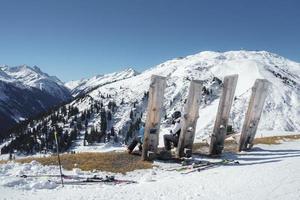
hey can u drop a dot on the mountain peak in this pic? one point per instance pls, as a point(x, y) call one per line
point(131, 70)
point(34, 77)
point(38, 70)
point(3, 67)
point(3, 75)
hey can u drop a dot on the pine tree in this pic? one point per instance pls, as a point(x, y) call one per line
point(109, 116)
point(112, 131)
point(131, 115)
point(103, 121)
point(83, 116)
point(85, 138)
point(86, 123)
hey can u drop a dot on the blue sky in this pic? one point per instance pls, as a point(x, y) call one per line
point(73, 39)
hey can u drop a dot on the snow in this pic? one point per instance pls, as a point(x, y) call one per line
point(266, 172)
point(15, 170)
point(100, 147)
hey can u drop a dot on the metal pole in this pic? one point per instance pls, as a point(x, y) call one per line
point(59, 163)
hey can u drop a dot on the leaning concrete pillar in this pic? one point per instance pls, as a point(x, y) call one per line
point(152, 125)
point(220, 127)
point(189, 120)
point(256, 104)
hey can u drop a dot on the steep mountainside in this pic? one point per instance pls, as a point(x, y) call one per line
point(25, 92)
point(116, 108)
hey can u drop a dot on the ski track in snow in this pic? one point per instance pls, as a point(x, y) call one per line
point(266, 172)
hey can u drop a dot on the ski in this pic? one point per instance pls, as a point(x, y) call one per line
point(108, 180)
point(52, 176)
point(187, 166)
point(209, 165)
point(81, 179)
point(192, 164)
point(199, 169)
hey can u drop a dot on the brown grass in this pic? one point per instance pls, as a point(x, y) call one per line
point(232, 145)
point(203, 148)
point(117, 162)
point(276, 139)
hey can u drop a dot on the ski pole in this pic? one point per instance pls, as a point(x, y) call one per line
point(59, 163)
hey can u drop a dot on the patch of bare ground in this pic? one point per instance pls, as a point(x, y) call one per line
point(116, 162)
point(276, 139)
point(232, 145)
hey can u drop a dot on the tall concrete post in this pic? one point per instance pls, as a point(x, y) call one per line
point(220, 127)
point(189, 120)
point(154, 110)
point(254, 111)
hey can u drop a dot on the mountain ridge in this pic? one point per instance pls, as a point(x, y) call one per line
point(88, 84)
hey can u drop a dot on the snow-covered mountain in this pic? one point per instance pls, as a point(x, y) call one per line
point(34, 77)
point(26, 91)
point(282, 108)
point(124, 95)
point(84, 85)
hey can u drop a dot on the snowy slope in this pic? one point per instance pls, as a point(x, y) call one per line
point(282, 108)
point(267, 172)
point(85, 85)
